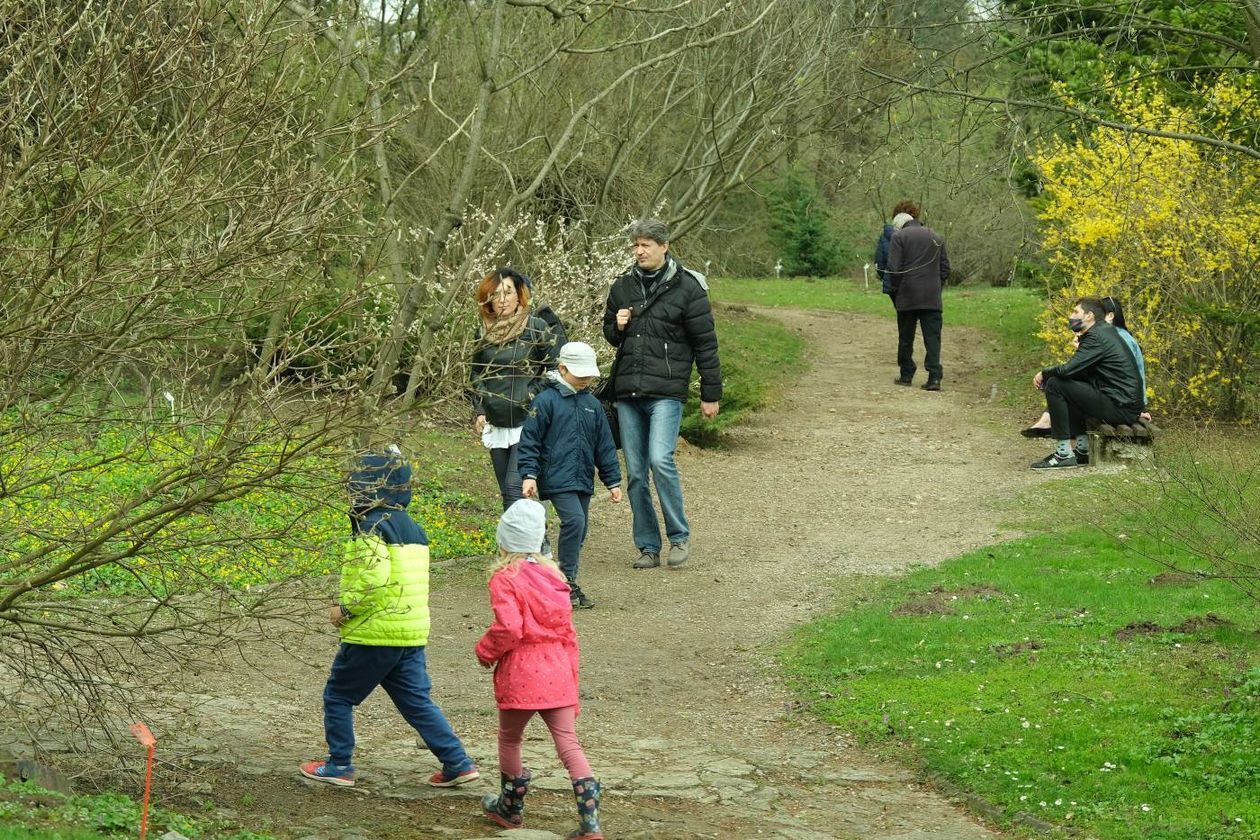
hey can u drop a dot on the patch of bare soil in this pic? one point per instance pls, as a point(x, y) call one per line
point(1026, 646)
point(1173, 579)
point(1137, 628)
point(1194, 624)
point(940, 601)
point(685, 715)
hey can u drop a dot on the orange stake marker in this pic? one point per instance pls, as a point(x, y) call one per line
point(145, 737)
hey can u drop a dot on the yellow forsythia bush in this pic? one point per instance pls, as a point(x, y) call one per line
point(1171, 228)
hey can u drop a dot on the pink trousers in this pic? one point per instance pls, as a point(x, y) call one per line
point(562, 724)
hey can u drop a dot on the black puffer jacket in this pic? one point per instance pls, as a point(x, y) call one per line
point(671, 328)
point(507, 377)
point(1104, 360)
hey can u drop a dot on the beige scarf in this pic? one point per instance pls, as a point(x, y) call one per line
point(503, 330)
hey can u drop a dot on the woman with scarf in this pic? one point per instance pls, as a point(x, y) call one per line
point(515, 349)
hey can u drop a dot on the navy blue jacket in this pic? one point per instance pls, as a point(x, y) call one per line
point(564, 440)
point(881, 259)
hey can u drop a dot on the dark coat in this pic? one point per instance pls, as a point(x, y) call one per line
point(507, 377)
point(1104, 360)
point(564, 440)
point(918, 266)
point(881, 259)
point(671, 328)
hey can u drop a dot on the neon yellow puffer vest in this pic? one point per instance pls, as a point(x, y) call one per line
point(386, 590)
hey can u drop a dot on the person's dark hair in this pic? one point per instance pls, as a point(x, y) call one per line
point(1094, 305)
point(653, 229)
point(1112, 306)
point(907, 207)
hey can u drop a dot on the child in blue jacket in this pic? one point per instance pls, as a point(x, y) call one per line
point(564, 441)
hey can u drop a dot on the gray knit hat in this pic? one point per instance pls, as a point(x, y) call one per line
point(522, 526)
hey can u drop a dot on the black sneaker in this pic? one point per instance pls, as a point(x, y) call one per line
point(1082, 458)
point(1055, 461)
point(578, 599)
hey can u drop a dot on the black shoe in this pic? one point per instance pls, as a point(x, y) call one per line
point(900, 381)
point(932, 385)
point(1082, 458)
point(1035, 432)
point(577, 598)
point(1055, 461)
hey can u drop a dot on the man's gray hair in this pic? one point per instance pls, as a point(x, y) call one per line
point(653, 229)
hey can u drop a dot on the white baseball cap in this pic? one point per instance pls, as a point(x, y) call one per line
point(579, 358)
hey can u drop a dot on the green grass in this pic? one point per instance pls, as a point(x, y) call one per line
point(28, 812)
point(1060, 676)
point(18, 833)
point(754, 351)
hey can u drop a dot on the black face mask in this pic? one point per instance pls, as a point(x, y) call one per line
point(1076, 324)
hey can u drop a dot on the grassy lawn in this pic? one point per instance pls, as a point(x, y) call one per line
point(753, 350)
point(1068, 676)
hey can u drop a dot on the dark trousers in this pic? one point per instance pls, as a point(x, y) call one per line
point(1071, 402)
point(573, 510)
point(356, 671)
point(508, 476)
point(930, 320)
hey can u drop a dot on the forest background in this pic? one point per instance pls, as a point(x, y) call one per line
point(240, 238)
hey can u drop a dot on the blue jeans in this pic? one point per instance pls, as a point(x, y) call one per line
point(356, 671)
point(649, 435)
point(574, 512)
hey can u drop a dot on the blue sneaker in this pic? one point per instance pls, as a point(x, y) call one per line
point(334, 774)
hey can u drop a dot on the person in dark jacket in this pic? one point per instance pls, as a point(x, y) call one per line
point(564, 441)
point(885, 240)
point(659, 318)
point(918, 266)
point(1101, 380)
point(514, 352)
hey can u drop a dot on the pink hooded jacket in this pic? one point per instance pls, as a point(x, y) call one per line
point(532, 639)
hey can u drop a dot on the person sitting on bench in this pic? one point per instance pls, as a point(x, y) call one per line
point(1101, 380)
point(1115, 317)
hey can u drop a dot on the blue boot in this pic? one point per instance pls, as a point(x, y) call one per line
point(507, 809)
point(586, 792)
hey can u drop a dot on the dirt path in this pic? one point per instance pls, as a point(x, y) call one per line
point(683, 716)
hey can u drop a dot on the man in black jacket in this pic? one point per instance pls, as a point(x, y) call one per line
point(1100, 380)
point(659, 319)
point(918, 267)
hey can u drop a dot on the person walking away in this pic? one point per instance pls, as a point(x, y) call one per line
point(563, 443)
point(885, 240)
point(659, 318)
point(382, 616)
point(919, 267)
point(533, 648)
point(1100, 380)
point(508, 369)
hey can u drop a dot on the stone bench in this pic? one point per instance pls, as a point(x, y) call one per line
point(1110, 444)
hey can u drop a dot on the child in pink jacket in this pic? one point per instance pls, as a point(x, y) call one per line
point(534, 651)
